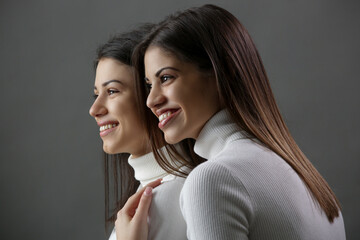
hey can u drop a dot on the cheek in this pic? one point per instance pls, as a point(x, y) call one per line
point(124, 107)
point(182, 95)
point(119, 109)
point(209, 93)
point(202, 100)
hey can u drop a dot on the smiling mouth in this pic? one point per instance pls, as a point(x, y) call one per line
point(107, 126)
point(165, 117)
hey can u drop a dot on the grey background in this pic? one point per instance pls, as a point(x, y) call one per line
point(51, 183)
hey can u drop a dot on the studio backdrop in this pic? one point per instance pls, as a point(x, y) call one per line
point(51, 174)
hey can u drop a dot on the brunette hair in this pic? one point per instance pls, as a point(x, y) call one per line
point(214, 40)
point(120, 182)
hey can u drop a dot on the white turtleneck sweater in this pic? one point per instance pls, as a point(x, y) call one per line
point(165, 219)
point(246, 191)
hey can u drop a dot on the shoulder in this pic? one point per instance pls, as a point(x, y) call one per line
point(212, 182)
point(245, 151)
point(250, 162)
point(244, 170)
point(209, 173)
point(233, 166)
point(213, 202)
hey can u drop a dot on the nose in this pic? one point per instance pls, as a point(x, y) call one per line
point(156, 97)
point(98, 108)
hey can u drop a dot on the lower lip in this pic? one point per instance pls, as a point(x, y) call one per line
point(162, 123)
point(107, 131)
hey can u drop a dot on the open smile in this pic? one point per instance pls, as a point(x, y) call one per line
point(107, 128)
point(166, 116)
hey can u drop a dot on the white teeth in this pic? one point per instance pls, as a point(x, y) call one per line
point(164, 116)
point(108, 126)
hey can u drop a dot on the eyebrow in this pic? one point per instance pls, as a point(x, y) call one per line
point(110, 81)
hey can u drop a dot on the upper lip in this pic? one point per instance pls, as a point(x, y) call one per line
point(161, 111)
point(102, 123)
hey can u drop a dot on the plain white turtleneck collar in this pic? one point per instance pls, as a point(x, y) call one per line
point(147, 169)
point(216, 133)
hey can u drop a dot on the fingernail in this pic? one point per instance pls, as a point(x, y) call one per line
point(148, 191)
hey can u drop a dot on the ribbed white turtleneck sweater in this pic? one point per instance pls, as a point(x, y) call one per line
point(246, 191)
point(165, 219)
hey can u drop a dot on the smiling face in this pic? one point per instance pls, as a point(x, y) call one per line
point(115, 109)
point(181, 96)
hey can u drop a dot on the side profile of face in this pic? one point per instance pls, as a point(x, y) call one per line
point(115, 109)
point(181, 96)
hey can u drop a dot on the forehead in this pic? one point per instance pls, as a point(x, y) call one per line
point(156, 57)
point(111, 69)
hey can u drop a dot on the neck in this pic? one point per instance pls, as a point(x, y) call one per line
point(146, 168)
point(216, 133)
point(146, 148)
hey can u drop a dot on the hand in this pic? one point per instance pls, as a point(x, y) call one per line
point(131, 222)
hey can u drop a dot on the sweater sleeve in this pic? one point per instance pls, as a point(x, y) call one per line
point(215, 205)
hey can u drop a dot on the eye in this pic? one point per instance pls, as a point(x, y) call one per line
point(112, 91)
point(165, 78)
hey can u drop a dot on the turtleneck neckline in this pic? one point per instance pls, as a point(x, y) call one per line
point(216, 133)
point(147, 169)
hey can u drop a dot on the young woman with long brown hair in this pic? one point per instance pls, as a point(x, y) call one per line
point(122, 130)
point(207, 82)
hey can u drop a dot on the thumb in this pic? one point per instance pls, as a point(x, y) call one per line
point(143, 209)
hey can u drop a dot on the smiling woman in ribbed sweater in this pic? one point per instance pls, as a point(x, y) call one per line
point(206, 81)
point(122, 132)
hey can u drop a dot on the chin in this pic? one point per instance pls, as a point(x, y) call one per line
point(109, 150)
point(171, 139)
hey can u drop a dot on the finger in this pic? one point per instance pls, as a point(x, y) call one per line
point(133, 202)
point(144, 205)
point(153, 184)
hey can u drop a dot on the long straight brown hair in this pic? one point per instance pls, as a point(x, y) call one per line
point(119, 177)
point(120, 182)
point(214, 40)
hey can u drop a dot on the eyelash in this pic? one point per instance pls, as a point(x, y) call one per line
point(110, 92)
point(162, 78)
